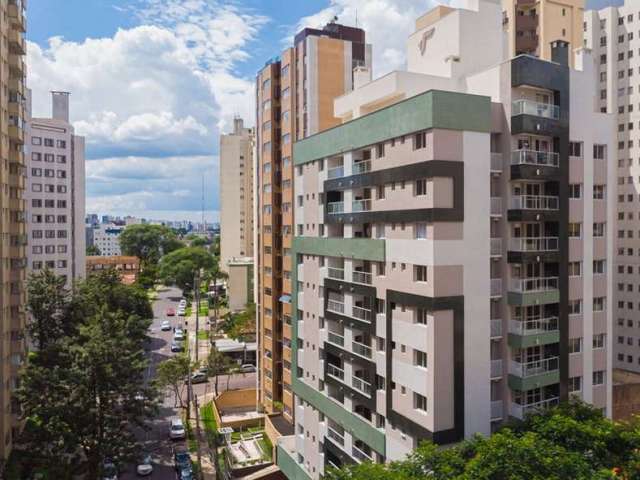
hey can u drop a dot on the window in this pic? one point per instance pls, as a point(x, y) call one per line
point(575, 269)
point(575, 190)
point(286, 92)
point(421, 316)
point(36, 172)
point(286, 139)
point(61, 174)
point(48, 142)
point(61, 188)
point(61, 143)
point(419, 273)
point(49, 157)
point(575, 345)
point(575, 384)
point(380, 191)
point(421, 230)
point(380, 150)
point(598, 229)
point(598, 377)
point(420, 140)
point(599, 340)
point(419, 402)
point(62, 158)
point(575, 230)
point(575, 149)
point(575, 307)
point(599, 304)
point(599, 152)
point(36, 140)
point(598, 192)
point(599, 267)
point(420, 358)
point(420, 187)
point(36, 157)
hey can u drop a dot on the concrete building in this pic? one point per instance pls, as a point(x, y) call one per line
point(613, 34)
point(12, 222)
point(453, 248)
point(294, 98)
point(240, 283)
point(128, 267)
point(533, 24)
point(107, 238)
point(56, 193)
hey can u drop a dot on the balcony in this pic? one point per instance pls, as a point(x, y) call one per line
point(361, 385)
point(496, 206)
point(335, 172)
point(360, 313)
point(335, 372)
point(496, 287)
point(17, 15)
point(360, 456)
point(335, 306)
point(496, 162)
point(534, 244)
point(535, 158)
point(538, 284)
point(496, 247)
point(537, 109)
point(336, 339)
point(534, 374)
point(17, 43)
point(361, 205)
point(496, 410)
point(335, 436)
point(496, 328)
point(532, 332)
point(365, 278)
point(520, 411)
point(496, 369)
point(534, 202)
point(361, 349)
point(361, 167)
point(335, 208)
point(335, 273)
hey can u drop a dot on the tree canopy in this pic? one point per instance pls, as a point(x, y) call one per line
point(179, 267)
point(93, 250)
point(148, 242)
point(573, 441)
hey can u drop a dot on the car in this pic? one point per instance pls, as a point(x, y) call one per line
point(183, 303)
point(186, 474)
point(109, 470)
point(177, 347)
point(178, 336)
point(199, 377)
point(247, 368)
point(182, 312)
point(171, 312)
point(165, 326)
point(176, 430)
point(144, 467)
point(181, 459)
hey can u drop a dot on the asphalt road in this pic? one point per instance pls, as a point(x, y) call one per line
point(156, 441)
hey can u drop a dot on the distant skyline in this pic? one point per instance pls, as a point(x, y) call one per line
point(154, 82)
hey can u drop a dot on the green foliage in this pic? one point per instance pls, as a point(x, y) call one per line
point(180, 266)
point(93, 250)
point(171, 373)
point(210, 424)
point(148, 242)
point(48, 303)
point(82, 393)
point(573, 441)
point(198, 242)
point(219, 364)
point(237, 324)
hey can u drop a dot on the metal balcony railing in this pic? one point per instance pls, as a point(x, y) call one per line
point(360, 313)
point(534, 244)
point(496, 205)
point(335, 436)
point(361, 205)
point(496, 368)
point(539, 284)
point(335, 306)
point(534, 157)
point(335, 207)
point(496, 162)
point(361, 167)
point(361, 349)
point(496, 246)
point(362, 277)
point(335, 372)
point(360, 456)
point(534, 202)
point(496, 287)
point(520, 411)
point(361, 385)
point(533, 326)
point(335, 338)
point(496, 328)
point(496, 409)
point(536, 367)
point(337, 273)
point(335, 172)
point(530, 107)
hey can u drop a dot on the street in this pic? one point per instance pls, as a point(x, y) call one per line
point(156, 441)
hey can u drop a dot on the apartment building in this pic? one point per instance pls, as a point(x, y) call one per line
point(453, 248)
point(107, 238)
point(613, 34)
point(12, 222)
point(532, 25)
point(294, 99)
point(236, 193)
point(56, 193)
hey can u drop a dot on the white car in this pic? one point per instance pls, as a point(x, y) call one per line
point(181, 312)
point(144, 467)
point(183, 304)
point(165, 326)
point(247, 368)
point(176, 431)
point(178, 335)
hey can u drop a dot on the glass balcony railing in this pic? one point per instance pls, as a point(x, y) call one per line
point(335, 436)
point(335, 172)
point(534, 202)
point(496, 246)
point(335, 207)
point(335, 306)
point(538, 109)
point(496, 368)
point(361, 205)
point(360, 313)
point(335, 372)
point(538, 284)
point(533, 368)
point(361, 385)
point(496, 206)
point(337, 273)
point(335, 338)
point(534, 244)
point(361, 349)
point(533, 157)
point(496, 328)
point(362, 277)
point(521, 411)
point(361, 167)
point(533, 326)
point(360, 456)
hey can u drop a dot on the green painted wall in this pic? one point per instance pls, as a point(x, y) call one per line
point(524, 341)
point(534, 298)
point(289, 466)
point(432, 109)
point(536, 381)
point(359, 248)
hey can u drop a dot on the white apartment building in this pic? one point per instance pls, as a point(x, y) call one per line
point(107, 238)
point(453, 247)
point(613, 34)
point(55, 159)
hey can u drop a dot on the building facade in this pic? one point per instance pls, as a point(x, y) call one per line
point(453, 248)
point(294, 99)
point(56, 193)
point(532, 25)
point(613, 34)
point(107, 238)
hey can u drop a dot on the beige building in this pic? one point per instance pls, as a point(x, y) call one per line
point(12, 221)
point(533, 24)
point(295, 94)
point(236, 193)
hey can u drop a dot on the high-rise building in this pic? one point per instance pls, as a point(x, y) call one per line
point(12, 222)
point(533, 24)
point(294, 97)
point(453, 248)
point(56, 193)
point(613, 34)
point(107, 238)
point(236, 193)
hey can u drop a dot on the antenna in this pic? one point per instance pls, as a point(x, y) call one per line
point(204, 227)
point(356, 18)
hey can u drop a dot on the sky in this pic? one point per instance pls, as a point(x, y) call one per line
point(154, 82)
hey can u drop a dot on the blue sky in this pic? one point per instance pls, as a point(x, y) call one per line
point(154, 82)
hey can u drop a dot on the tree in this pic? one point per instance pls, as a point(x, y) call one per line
point(148, 242)
point(219, 364)
point(93, 250)
point(198, 242)
point(235, 325)
point(48, 303)
point(180, 266)
point(171, 374)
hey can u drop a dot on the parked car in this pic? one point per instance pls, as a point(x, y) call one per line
point(178, 335)
point(181, 312)
point(171, 312)
point(109, 470)
point(177, 431)
point(181, 459)
point(165, 326)
point(247, 368)
point(183, 303)
point(199, 377)
point(144, 467)
point(176, 347)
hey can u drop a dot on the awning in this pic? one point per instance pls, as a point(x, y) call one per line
point(285, 299)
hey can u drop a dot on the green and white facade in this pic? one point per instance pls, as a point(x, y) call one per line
point(452, 249)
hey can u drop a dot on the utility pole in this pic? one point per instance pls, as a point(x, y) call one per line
point(196, 283)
